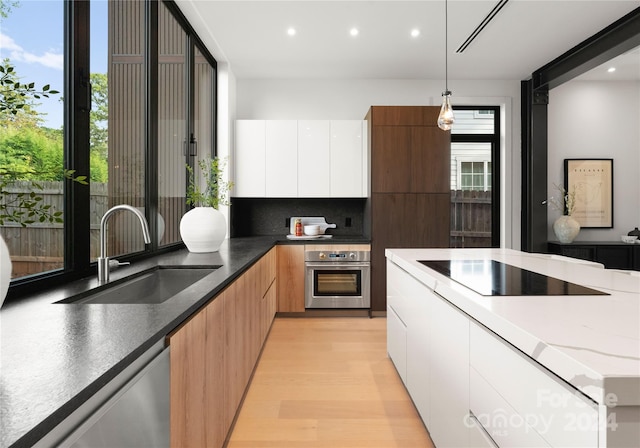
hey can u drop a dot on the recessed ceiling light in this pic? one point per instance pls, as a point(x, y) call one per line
point(611, 69)
point(354, 31)
point(291, 31)
point(415, 32)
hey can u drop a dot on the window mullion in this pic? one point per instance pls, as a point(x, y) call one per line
point(77, 107)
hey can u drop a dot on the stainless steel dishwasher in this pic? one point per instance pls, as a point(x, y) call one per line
point(136, 415)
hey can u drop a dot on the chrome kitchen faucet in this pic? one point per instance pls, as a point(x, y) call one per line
point(103, 260)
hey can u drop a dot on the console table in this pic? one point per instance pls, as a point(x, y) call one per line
point(613, 255)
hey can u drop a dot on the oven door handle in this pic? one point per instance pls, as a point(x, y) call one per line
point(329, 264)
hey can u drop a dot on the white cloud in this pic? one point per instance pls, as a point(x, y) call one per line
point(6, 43)
point(49, 59)
point(52, 60)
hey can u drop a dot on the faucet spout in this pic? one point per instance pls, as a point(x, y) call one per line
point(103, 260)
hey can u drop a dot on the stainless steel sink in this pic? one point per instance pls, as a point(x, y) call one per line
point(152, 286)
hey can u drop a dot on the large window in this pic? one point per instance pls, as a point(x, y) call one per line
point(32, 135)
point(137, 91)
point(475, 209)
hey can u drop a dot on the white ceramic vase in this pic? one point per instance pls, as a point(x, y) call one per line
point(566, 228)
point(5, 270)
point(203, 229)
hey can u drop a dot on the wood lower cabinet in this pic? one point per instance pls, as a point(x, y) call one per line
point(187, 380)
point(214, 353)
point(290, 278)
point(217, 423)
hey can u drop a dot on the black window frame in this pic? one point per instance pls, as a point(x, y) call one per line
point(494, 140)
point(77, 106)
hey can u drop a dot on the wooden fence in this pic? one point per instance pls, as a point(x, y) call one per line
point(470, 218)
point(40, 246)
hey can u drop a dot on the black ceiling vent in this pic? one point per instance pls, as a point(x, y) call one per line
point(496, 9)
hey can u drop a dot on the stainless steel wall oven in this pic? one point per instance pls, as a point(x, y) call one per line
point(337, 279)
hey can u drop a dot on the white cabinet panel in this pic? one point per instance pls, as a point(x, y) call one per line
point(307, 158)
point(249, 160)
point(347, 158)
point(418, 364)
point(557, 412)
point(498, 418)
point(281, 158)
point(313, 158)
point(449, 375)
point(397, 343)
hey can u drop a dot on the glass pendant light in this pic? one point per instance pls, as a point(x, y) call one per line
point(446, 117)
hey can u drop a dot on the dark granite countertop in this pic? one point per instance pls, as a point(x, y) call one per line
point(53, 357)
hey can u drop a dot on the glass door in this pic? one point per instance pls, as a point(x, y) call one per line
point(475, 167)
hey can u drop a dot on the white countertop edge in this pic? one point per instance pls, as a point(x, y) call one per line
point(600, 386)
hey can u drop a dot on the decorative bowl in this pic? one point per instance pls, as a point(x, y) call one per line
point(628, 238)
point(312, 230)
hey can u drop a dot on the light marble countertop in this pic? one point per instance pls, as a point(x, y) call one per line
point(592, 342)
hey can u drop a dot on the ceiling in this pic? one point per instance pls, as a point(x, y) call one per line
point(526, 34)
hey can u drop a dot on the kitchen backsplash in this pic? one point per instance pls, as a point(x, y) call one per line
point(268, 216)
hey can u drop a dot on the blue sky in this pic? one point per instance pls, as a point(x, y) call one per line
point(32, 37)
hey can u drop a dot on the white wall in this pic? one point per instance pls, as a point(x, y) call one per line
point(589, 119)
point(350, 99)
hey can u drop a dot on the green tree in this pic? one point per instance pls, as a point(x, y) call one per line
point(16, 97)
point(6, 6)
point(99, 115)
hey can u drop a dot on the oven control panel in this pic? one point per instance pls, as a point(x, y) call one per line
point(338, 256)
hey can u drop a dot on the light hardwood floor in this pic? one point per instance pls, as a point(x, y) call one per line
point(327, 382)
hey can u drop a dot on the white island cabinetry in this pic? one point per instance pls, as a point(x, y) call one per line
point(436, 372)
point(516, 371)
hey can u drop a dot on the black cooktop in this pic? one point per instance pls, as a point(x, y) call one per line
point(494, 278)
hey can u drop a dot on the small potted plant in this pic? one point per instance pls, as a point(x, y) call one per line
point(204, 227)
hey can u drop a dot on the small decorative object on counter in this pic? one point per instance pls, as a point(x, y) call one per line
point(204, 228)
point(566, 228)
point(634, 232)
point(298, 227)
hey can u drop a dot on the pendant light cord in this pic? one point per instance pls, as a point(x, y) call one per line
point(446, 45)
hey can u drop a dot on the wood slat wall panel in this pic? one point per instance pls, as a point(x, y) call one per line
point(126, 122)
point(172, 115)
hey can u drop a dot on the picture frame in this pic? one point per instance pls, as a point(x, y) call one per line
point(592, 182)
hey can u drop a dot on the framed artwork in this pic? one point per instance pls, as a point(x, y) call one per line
point(591, 180)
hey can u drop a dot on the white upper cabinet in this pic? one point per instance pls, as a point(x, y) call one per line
point(306, 158)
point(348, 148)
point(250, 172)
point(281, 158)
point(314, 159)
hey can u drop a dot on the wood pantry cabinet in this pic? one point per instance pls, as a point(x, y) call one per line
point(214, 353)
point(410, 197)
